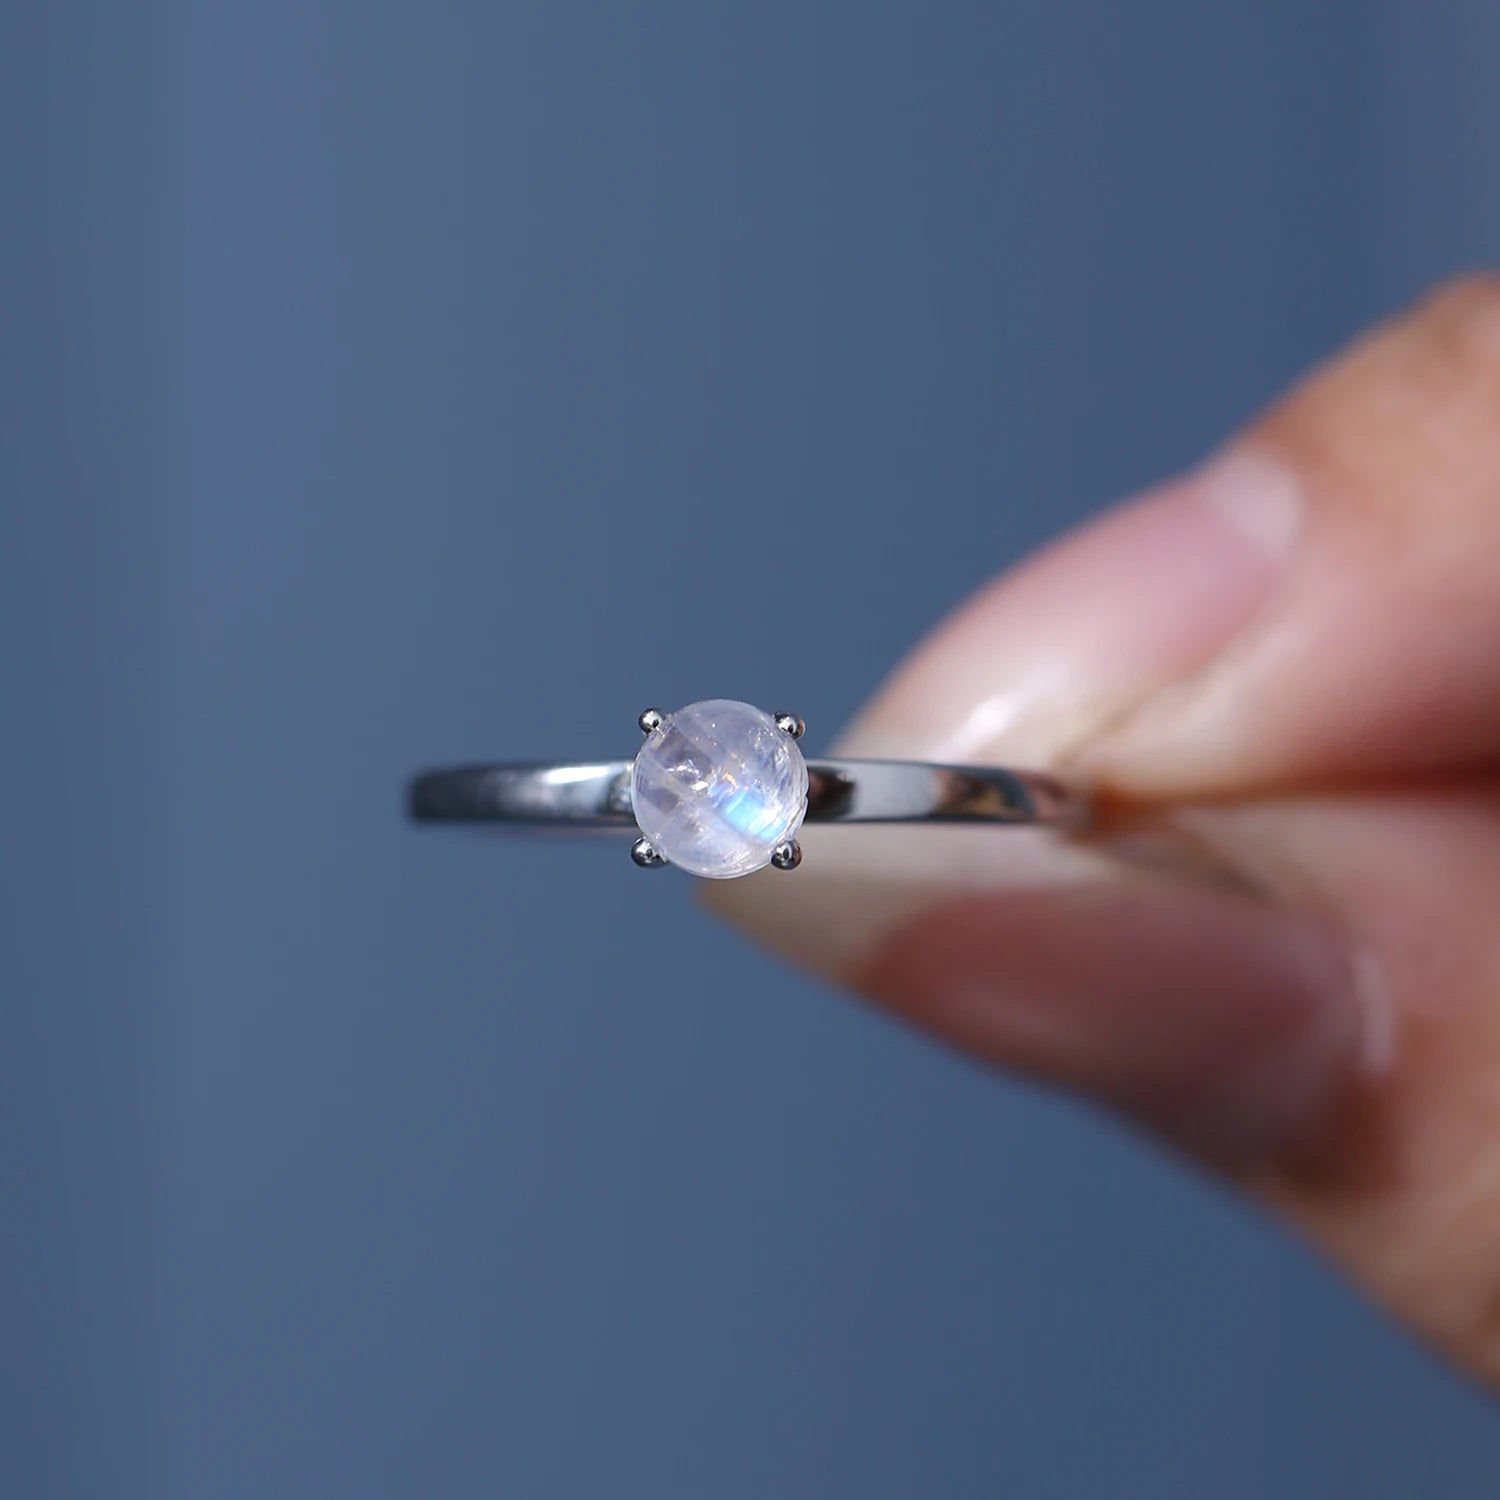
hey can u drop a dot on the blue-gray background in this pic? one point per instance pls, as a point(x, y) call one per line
point(384, 384)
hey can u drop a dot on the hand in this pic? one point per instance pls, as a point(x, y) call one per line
point(1282, 949)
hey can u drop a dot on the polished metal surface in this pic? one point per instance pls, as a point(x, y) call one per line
point(650, 720)
point(787, 856)
point(647, 855)
point(596, 794)
point(792, 724)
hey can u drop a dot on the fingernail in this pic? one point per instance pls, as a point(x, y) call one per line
point(1221, 1020)
point(1234, 1029)
point(1058, 653)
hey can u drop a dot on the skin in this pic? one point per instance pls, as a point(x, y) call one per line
point(1280, 950)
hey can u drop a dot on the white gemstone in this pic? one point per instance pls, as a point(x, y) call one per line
point(717, 786)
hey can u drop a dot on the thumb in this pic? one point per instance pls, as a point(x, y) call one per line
point(1283, 955)
point(1320, 601)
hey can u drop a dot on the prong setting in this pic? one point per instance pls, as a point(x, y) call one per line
point(647, 855)
point(717, 787)
point(650, 720)
point(787, 856)
point(791, 724)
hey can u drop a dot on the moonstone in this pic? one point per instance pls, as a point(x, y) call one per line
point(717, 786)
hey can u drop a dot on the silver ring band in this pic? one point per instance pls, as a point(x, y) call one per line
point(596, 794)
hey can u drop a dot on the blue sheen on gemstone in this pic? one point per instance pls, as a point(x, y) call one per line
point(717, 786)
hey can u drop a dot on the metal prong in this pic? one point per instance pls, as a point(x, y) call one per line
point(646, 854)
point(650, 720)
point(791, 724)
point(787, 856)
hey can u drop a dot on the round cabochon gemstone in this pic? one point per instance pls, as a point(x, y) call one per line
point(717, 786)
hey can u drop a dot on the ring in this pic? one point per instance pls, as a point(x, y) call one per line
point(721, 788)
